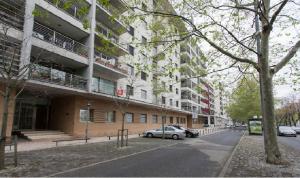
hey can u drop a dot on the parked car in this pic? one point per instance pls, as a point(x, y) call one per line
point(170, 132)
point(296, 129)
point(188, 132)
point(286, 131)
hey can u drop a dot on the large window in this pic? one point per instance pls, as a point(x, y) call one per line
point(143, 118)
point(131, 31)
point(154, 119)
point(143, 76)
point(130, 70)
point(170, 88)
point(129, 117)
point(143, 94)
point(110, 116)
point(171, 102)
point(103, 86)
point(129, 90)
point(86, 116)
point(163, 100)
point(131, 50)
point(171, 120)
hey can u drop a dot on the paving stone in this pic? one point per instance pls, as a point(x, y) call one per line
point(249, 160)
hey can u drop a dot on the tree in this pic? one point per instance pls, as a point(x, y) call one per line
point(227, 27)
point(245, 101)
point(13, 78)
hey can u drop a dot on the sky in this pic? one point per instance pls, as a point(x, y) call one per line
point(284, 36)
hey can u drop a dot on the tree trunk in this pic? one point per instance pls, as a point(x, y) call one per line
point(4, 126)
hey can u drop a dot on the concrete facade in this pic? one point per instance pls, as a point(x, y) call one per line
point(76, 65)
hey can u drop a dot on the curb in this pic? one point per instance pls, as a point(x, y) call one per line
point(225, 168)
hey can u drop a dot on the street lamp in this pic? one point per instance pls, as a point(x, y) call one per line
point(87, 121)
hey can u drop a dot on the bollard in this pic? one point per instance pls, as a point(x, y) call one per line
point(15, 150)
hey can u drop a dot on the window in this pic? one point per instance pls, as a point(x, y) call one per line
point(110, 116)
point(143, 76)
point(177, 103)
point(171, 88)
point(144, 40)
point(154, 119)
point(177, 90)
point(164, 119)
point(129, 90)
point(170, 75)
point(131, 50)
point(130, 70)
point(154, 4)
point(143, 118)
point(129, 117)
point(163, 85)
point(171, 102)
point(177, 120)
point(171, 120)
point(163, 100)
point(182, 120)
point(143, 94)
point(176, 78)
point(131, 31)
point(144, 6)
point(86, 116)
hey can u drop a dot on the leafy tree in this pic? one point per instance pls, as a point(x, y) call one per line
point(245, 101)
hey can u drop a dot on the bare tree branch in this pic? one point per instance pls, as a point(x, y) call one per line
point(276, 13)
point(287, 58)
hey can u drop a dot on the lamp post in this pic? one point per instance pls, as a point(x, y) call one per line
point(87, 122)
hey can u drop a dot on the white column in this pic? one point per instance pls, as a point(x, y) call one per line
point(91, 44)
point(27, 33)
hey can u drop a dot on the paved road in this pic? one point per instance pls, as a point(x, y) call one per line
point(293, 142)
point(203, 156)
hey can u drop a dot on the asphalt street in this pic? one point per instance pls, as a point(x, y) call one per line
point(293, 142)
point(202, 156)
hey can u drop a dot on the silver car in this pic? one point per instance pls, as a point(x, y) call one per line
point(170, 132)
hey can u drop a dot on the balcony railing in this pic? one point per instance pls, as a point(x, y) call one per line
point(72, 11)
point(44, 33)
point(108, 34)
point(114, 11)
point(109, 62)
point(9, 57)
point(54, 76)
point(11, 15)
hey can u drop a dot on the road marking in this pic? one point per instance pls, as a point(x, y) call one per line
point(101, 162)
point(225, 167)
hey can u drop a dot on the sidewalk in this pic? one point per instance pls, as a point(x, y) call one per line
point(44, 144)
point(249, 160)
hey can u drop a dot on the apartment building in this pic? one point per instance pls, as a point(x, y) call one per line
point(221, 117)
point(85, 61)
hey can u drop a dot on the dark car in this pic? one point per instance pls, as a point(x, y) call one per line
point(188, 132)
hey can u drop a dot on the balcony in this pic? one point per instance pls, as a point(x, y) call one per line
point(109, 14)
point(109, 41)
point(109, 65)
point(9, 56)
point(12, 13)
point(73, 11)
point(46, 34)
point(54, 76)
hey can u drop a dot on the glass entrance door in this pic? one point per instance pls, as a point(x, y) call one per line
point(24, 114)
